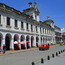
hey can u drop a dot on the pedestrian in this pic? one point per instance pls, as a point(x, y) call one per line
point(4, 49)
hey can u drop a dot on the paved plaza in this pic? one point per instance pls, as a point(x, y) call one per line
point(58, 60)
point(27, 57)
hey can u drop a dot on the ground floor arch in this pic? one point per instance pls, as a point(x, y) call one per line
point(8, 41)
point(27, 39)
point(37, 41)
point(16, 38)
point(41, 41)
point(22, 39)
point(1, 36)
point(32, 41)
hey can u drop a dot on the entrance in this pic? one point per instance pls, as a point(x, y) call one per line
point(37, 39)
point(0, 39)
point(22, 39)
point(7, 41)
point(16, 46)
point(27, 44)
point(32, 39)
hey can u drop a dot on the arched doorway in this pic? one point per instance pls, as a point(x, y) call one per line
point(22, 39)
point(0, 38)
point(7, 41)
point(16, 38)
point(27, 39)
point(41, 40)
point(32, 39)
point(37, 40)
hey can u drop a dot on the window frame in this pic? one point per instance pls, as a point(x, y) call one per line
point(8, 21)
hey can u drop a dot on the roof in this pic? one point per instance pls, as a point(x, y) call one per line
point(31, 9)
point(7, 9)
point(57, 27)
point(49, 20)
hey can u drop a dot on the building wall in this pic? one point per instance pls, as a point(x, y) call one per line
point(43, 35)
point(58, 35)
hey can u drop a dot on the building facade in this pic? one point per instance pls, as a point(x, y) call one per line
point(58, 36)
point(24, 26)
point(63, 34)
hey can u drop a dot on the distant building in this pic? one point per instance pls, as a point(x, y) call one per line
point(58, 36)
point(63, 34)
point(24, 26)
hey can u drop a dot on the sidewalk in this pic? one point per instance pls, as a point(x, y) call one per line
point(16, 51)
point(58, 60)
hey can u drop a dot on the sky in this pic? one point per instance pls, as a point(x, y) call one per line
point(53, 8)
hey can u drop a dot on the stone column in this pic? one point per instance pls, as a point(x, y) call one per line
point(30, 43)
point(3, 42)
point(42, 40)
point(25, 43)
point(12, 44)
point(19, 44)
point(34, 43)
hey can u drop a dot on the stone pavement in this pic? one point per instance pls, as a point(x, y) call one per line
point(26, 58)
point(58, 60)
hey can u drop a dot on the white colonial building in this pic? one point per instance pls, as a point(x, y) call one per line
point(24, 26)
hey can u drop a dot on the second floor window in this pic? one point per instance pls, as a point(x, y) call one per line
point(27, 26)
point(31, 28)
point(43, 30)
point(40, 29)
point(16, 23)
point(21, 24)
point(36, 29)
point(0, 19)
point(8, 21)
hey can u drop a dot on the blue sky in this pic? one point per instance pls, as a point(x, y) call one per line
point(53, 8)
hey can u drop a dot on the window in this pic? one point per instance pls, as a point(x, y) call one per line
point(35, 17)
point(31, 28)
point(40, 30)
point(43, 30)
point(21, 24)
point(15, 23)
point(36, 29)
point(0, 19)
point(8, 21)
point(27, 26)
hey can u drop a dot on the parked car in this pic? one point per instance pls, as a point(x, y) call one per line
point(44, 47)
point(62, 43)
